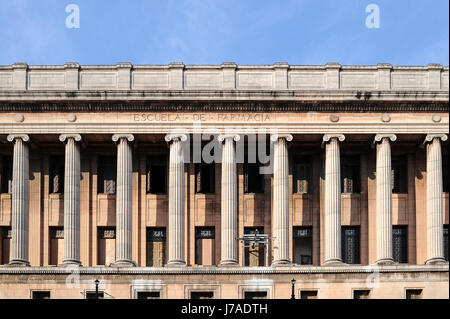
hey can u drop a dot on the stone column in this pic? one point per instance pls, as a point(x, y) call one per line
point(229, 231)
point(72, 175)
point(20, 200)
point(281, 199)
point(176, 200)
point(384, 198)
point(435, 232)
point(332, 199)
point(124, 200)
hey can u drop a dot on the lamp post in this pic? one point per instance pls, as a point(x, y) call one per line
point(96, 288)
point(293, 289)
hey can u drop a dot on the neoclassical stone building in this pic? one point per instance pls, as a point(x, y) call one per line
point(224, 181)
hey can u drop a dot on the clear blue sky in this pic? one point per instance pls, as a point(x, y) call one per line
point(412, 32)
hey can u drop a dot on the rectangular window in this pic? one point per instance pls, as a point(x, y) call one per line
point(56, 245)
point(308, 294)
point(40, 294)
point(351, 245)
point(303, 245)
point(148, 295)
point(446, 242)
point(255, 295)
point(254, 252)
point(156, 247)
point(92, 295)
point(413, 293)
point(157, 174)
point(202, 295)
point(399, 174)
point(7, 175)
point(106, 251)
point(400, 243)
point(302, 175)
point(57, 174)
point(361, 294)
point(205, 246)
point(445, 173)
point(350, 174)
point(107, 171)
point(253, 179)
point(5, 245)
point(205, 178)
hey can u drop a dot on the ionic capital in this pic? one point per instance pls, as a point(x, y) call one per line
point(276, 137)
point(175, 137)
point(379, 137)
point(430, 137)
point(64, 137)
point(117, 137)
point(328, 137)
point(13, 137)
point(223, 137)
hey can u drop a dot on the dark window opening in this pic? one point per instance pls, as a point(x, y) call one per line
point(56, 245)
point(205, 177)
point(5, 244)
point(107, 171)
point(106, 251)
point(400, 243)
point(202, 295)
point(93, 295)
point(148, 295)
point(41, 295)
point(445, 173)
point(205, 246)
point(351, 245)
point(57, 174)
point(255, 252)
point(302, 175)
point(157, 174)
point(446, 242)
point(361, 294)
point(255, 295)
point(413, 293)
point(308, 294)
point(400, 174)
point(7, 175)
point(156, 247)
point(253, 179)
point(303, 245)
point(350, 174)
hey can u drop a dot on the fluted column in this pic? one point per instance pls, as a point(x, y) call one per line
point(280, 224)
point(124, 200)
point(72, 175)
point(176, 200)
point(435, 231)
point(332, 199)
point(228, 204)
point(20, 200)
point(384, 198)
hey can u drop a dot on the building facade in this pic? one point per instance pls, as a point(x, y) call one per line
point(224, 181)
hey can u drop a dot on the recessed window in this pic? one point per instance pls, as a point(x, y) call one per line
point(6, 175)
point(40, 294)
point(5, 245)
point(205, 177)
point(156, 247)
point(57, 174)
point(255, 295)
point(302, 175)
point(202, 295)
point(413, 293)
point(350, 174)
point(157, 174)
point(107, 171)
point(361, 294)
point(351, 245)
point(254, 251)
point(303, 245)
point(446, 242)
point(56, 245)
point(400, 243)
point(148, 295)
point(253, 179)
point(445, 173)
point(399, 174)
point(93, 295)
point(106, 251)
point(308, 294)
point(205, 246)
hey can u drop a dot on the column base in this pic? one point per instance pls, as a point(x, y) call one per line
point(19, 263)
point(70, 263)
point(436, 261)
point(176, 263)
point(385, 261)
point(123, 263)
point(334, 262)
point(281, 263)
point(229, 263)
